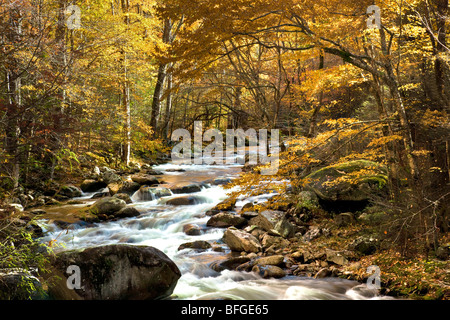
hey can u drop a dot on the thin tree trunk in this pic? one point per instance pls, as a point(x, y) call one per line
point(169, 100)
point(313, 121)
point(126, 151)
point(127, 105)
point(14, 102)
point(156, 103)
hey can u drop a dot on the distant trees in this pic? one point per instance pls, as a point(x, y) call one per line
point(77, 89)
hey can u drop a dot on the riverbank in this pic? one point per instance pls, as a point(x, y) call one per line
point(297, 238)
point(345, 247)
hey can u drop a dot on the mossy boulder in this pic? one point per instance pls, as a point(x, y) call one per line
point(114, 272)
point(70, 191)
point(350, 181)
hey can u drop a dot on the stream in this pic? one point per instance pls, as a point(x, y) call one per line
point(161, 226)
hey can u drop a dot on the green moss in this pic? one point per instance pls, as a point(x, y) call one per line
point(352, 166)
point(358, 179)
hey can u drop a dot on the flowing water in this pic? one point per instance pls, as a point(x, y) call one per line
point(161, 226)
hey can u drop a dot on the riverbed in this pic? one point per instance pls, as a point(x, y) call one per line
point(161, 226)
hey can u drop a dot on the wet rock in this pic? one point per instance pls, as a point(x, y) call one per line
point(221, 181)
point(107, 206)
point(198, 245)
point(230, 263)
point(90, 185)
point(99, 195)
point(63, 224)
point(123, 196)
point(175, 170)
point(192, 229)
point(70, 191)
point(212, 212)
point(126, 212)
point(151, 171)
point(144, 179)
point(147, 193)
point(129, 187)
point(185, 201)
point(241, 241)
point(190, 188)
point(115, 272)
point(276, 260)
point(269, 271)
point(225, 220)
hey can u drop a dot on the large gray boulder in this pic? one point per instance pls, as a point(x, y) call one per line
point(114, 272)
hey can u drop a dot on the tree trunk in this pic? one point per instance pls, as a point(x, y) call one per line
point(156, 103)
point(126, 154)
point(169, 99)
point(313, 121)
point(126, 150)
point(14, 101)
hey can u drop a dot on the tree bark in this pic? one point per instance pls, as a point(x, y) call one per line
point(156, 102)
